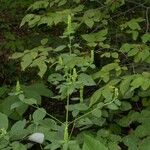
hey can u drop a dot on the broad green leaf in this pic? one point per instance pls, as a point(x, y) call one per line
point(55, 77)
point(29, 101)
point(113, 145)
point(49, 123)
point(126, 47)
point(101, 35)
point(95, 97)
point(135, 35)
point(131, 141)
point(16, 105)
point(86, 79)
point(3, 90)
point(18, 130)
point(79, 107)
point(97, 113)
point(44, 41)
point(73, 145)
point(17, 55)
point(39, 5)
point(3, 121)
point(144, 144)
point(133, 52)
point(89, 22)
point(125, 84)
point(27, 18)
point(146, 83)
point(18, 126)
point(146, 37)
point(95, 37)
point(112, 106)
point(114, 55)
point(18, 146)
point(89, 38)
point(125, 106)
point(34, 21)
point(136, 83)
point(93, 144)
point(62, 2)
point(26, 61)
point(39, 115)
point(37, 90)
point(60, 48)
point(133, 24)
point(42, 68)
point(33, 54)
point(107, 94)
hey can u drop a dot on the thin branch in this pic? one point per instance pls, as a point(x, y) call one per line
point(147, 20)
point(51, 116)
point(91, 112)
point(141, 5)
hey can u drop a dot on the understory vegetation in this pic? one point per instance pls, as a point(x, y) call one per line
point(75, 75)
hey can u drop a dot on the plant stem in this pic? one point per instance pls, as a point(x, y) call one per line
point(81, 94)
point(66, 123)
point(91, 112)
point(70, 43)
point(49, 115)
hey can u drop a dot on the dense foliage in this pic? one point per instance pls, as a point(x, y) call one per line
point(75, 75)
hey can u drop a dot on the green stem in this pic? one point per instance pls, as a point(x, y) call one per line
point(51, 116)
point(66, 138)
point(90, 112)
point(72, 130)
point(81, 94)
point(70, 43)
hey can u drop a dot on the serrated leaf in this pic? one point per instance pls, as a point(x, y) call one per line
point(27, 18)
point(39, 5)
point(86, 79)
point(89, 22)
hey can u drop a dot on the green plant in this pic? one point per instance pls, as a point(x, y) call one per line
point(119, 96)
